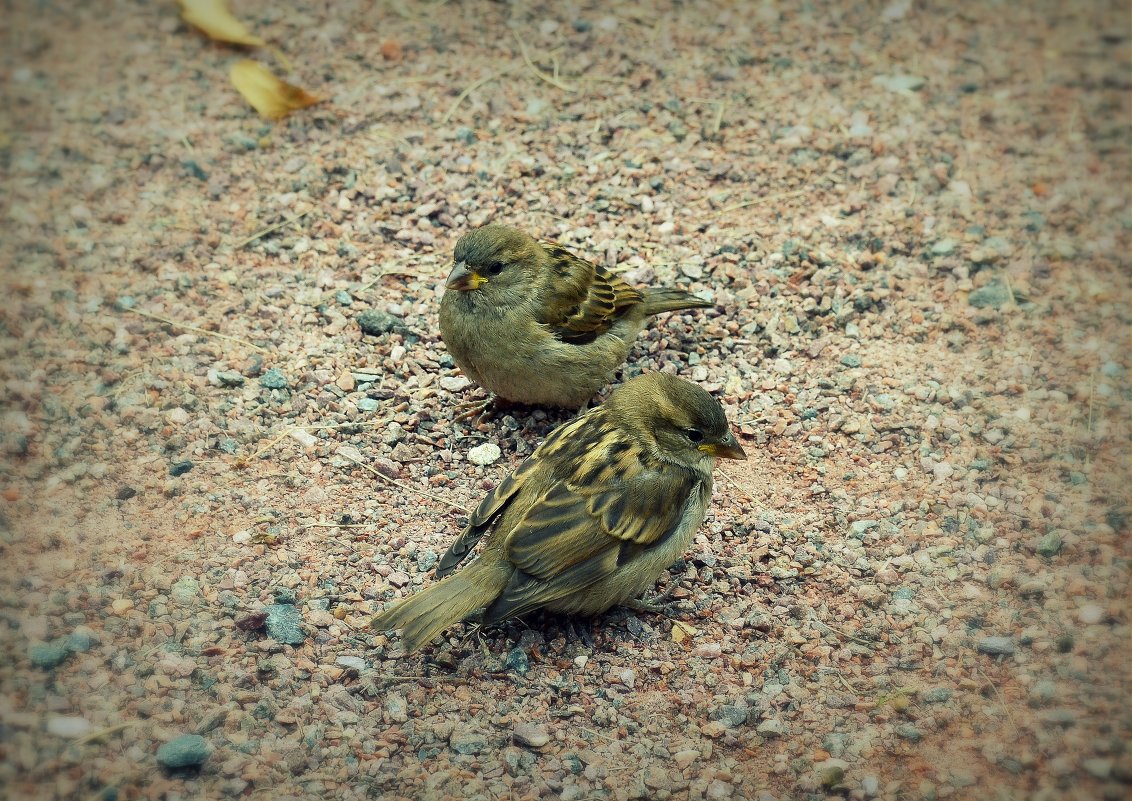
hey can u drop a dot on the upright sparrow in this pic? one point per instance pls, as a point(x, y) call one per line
point(533, 323)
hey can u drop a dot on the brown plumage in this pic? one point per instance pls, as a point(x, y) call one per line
point(590, 520)
point(533, 323)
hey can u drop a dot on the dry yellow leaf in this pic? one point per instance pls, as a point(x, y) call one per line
point(272, 98)
point(682, 631)
point(217, 22)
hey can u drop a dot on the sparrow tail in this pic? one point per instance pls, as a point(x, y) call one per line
point(423, 616)
point(662, 300)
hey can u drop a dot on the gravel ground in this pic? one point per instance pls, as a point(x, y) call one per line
point(222, 452)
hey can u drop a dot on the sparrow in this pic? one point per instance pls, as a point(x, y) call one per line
point(589, 520)
point(531, 322)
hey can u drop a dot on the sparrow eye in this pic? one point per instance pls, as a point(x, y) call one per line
point(495, 268)
point(695, 434)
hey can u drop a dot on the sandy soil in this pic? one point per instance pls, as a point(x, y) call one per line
point(914, 220)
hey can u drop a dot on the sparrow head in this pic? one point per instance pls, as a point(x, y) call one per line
point(676, 419)
point(501, 262)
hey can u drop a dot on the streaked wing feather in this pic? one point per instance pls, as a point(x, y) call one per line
point(590, 298)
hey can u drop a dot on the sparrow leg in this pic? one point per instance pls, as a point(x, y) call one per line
point(581, 632)
point(480, 410)
point(661, 604)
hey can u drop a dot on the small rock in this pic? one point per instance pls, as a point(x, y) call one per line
point(121, 605)
point(1042, 693)
point(730, 715)
point(995, 646)
point(374, 322)
point(68, 726)
point(907, 731)
point(936, 695)
point(304, 437)
point(770, 728)
point(242, 537)
point(273, 379)
point(185, 751)
point(719, 790)
point(81, 640)
point(1090, 614)
point(530, 735)
point(283, 624)
point(900, 83)
point(454, 383)
point(180, 468)
point(399, 578)
point(351, 662)
point(943, 247)
point(870, 786)
point(858, 528)
point(466, 740)
point(685, 758)
point(185, 591)
point(484, 454)
point(230, 378)
point(466, 135)
point(851, 360)
point(346, 381)
point(831, 772)
point(1050, 544)
point(368, 405)
point(48, 655)
point(517, 662)
point(994, 295)
point(397, 708)
point(1098, 767)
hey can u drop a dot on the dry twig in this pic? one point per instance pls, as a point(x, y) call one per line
point(197, 330)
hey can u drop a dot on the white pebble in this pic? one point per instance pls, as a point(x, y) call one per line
point(454, 383)
point(242, 537)
point(68, 726)
point(485, 454)
point(304, 437)
point(1090, 613)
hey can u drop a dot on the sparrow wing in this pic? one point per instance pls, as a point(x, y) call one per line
point(612, 507)
point(586, 298)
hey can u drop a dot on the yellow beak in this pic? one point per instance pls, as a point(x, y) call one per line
point(726, 448)
point(464, 280)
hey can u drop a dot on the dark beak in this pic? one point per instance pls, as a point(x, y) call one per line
point(464, 280)
point(726, 448)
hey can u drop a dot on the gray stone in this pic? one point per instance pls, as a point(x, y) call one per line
point(943, 247)
point(730, 715)
point(831, 772)
point(81, 640)
point(1042, 693)
point(530, 735)
point(994, 295)
point(185, 591)
point(907, 731)
point(851, 360)
point(936, 695)
point(397, 708)
point(351, 662)
point(1098, 767)
point(995, 646)
point(466, 135)
point(230, 378)
point(770, 728)
point(870, 786)
point(368, 405)
point(517, 662)
point(183, 752)
point(273, 379)
point(283, 622)
point(374, 322)
point(1050, 544)
point(48, 655)
point(467, 741)
point(858, 528)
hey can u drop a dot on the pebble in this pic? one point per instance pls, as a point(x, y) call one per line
point(936, 695)
point(82, 639)
point(374, 322)
point(685, 758)
point(68, 726)
point(122, 605)
point(185, 591)
point(831, 772)
point(466, 740)
point(851, 360)
point(485, 454)
point(530, 735)
point(907, 731)
point(230, 378)
point(994, 295)
point(273, 379)
point(304, 437)
point(517, 662)
point(368, 405)
point(1050, 544)
point(282, 624)
point(351, 662)
point(870, 786)
point(1090, 614)
point(242, 537)
point(900, 83)
point(719, 790)
point(454, 383)
point(48, 655)
point(185, 751)
point(730, 715)
point(995, 646)
point(770, 728)
point(1098, 767)
point(397, 708)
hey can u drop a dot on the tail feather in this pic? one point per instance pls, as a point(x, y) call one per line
point(423, 616)
point(667, 299)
